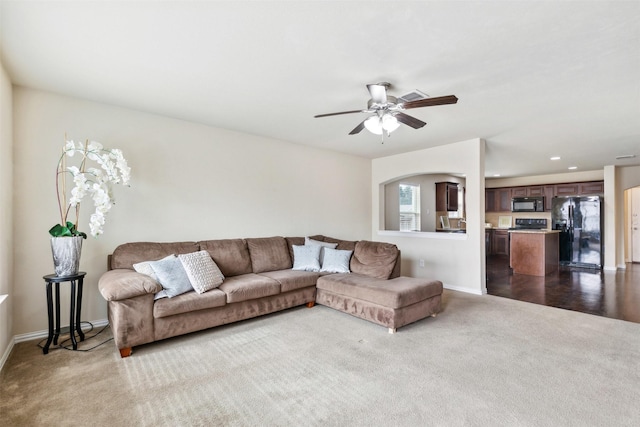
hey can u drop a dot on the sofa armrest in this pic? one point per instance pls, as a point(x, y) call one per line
point(122, 283)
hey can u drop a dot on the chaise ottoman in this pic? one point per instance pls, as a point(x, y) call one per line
point(392, 303)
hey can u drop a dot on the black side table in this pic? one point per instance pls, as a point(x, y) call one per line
point(76, 306)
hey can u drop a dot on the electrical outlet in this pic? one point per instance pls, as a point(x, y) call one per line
point(421, 263)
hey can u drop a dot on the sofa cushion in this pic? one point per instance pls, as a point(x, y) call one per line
point(125, 255)
point(291, 241)
point(187, 302)
point(230, 255)
point(269, 254)
point(292, 279)
point(202, 271)
point(249, 286)
point(374, 259)
point(336, 261)
point(395, 293)
point(343, 245)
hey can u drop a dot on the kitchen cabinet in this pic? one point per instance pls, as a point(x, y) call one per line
point(490, 200)
point(537, 191)
point(590, 188)
point(570, 189)
point(500, 242)
point(533, 191)
point(549, 192)
point(488, 237)
point(498, 200)
point(446, 196)
point(504, 200)
point(580, 188)
point(519, 192)
point(534, 252)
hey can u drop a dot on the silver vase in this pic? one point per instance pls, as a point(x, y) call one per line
point(66, 255)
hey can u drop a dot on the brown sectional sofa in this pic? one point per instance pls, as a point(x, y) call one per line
point(258, 279)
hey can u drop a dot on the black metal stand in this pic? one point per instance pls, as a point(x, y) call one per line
point(74, 315)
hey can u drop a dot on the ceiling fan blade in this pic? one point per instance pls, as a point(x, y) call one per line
point(440, 100)
point(409, 121)
point(337, 114)
point(378, 93)
point(358, 128)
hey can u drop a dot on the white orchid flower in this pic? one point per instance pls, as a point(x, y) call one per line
point(93, 181)
point(69, 148)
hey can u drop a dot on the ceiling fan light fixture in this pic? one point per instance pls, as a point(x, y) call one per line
point(389, 123)
point(374, 125)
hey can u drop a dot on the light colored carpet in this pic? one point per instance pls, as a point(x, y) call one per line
point(484, 361)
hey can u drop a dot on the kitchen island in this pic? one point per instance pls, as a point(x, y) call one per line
point(534, 252)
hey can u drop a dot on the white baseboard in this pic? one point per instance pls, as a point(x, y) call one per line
point(6, 354)
point(45, 332)
point(39, 335)
point(466, 290)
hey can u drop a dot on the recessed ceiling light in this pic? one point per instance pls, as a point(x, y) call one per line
point(572, 167)
point(625, 156)
point(496, 174)
point(555, 158)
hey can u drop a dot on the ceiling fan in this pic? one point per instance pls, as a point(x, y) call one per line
point(387, 111)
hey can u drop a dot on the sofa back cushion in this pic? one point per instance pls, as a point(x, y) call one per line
point(343, 245)
point(269, 254)
point(374, 259)
point(230, 255)
point(298, 241)
point(125, 255)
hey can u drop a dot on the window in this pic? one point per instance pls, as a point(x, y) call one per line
point(409, 207)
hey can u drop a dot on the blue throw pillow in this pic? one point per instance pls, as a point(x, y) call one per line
point(172, 276)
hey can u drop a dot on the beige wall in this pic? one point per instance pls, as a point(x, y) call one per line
point(6, 212)
point(189, 182)
point(455, 259)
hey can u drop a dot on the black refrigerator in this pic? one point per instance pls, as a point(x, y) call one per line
point(579, 220)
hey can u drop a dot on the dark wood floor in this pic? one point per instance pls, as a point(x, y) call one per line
point(614, 294)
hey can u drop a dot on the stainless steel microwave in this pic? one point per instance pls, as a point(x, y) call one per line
point(527, 204)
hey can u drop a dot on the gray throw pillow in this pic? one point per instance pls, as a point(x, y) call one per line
point(171, 276)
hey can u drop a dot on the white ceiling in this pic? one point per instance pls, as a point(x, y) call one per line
point(533, 78)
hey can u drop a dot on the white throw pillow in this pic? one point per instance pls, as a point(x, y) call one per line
point(306, 258)
point(336, 261)
point(311, 242)
point(202, 271)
